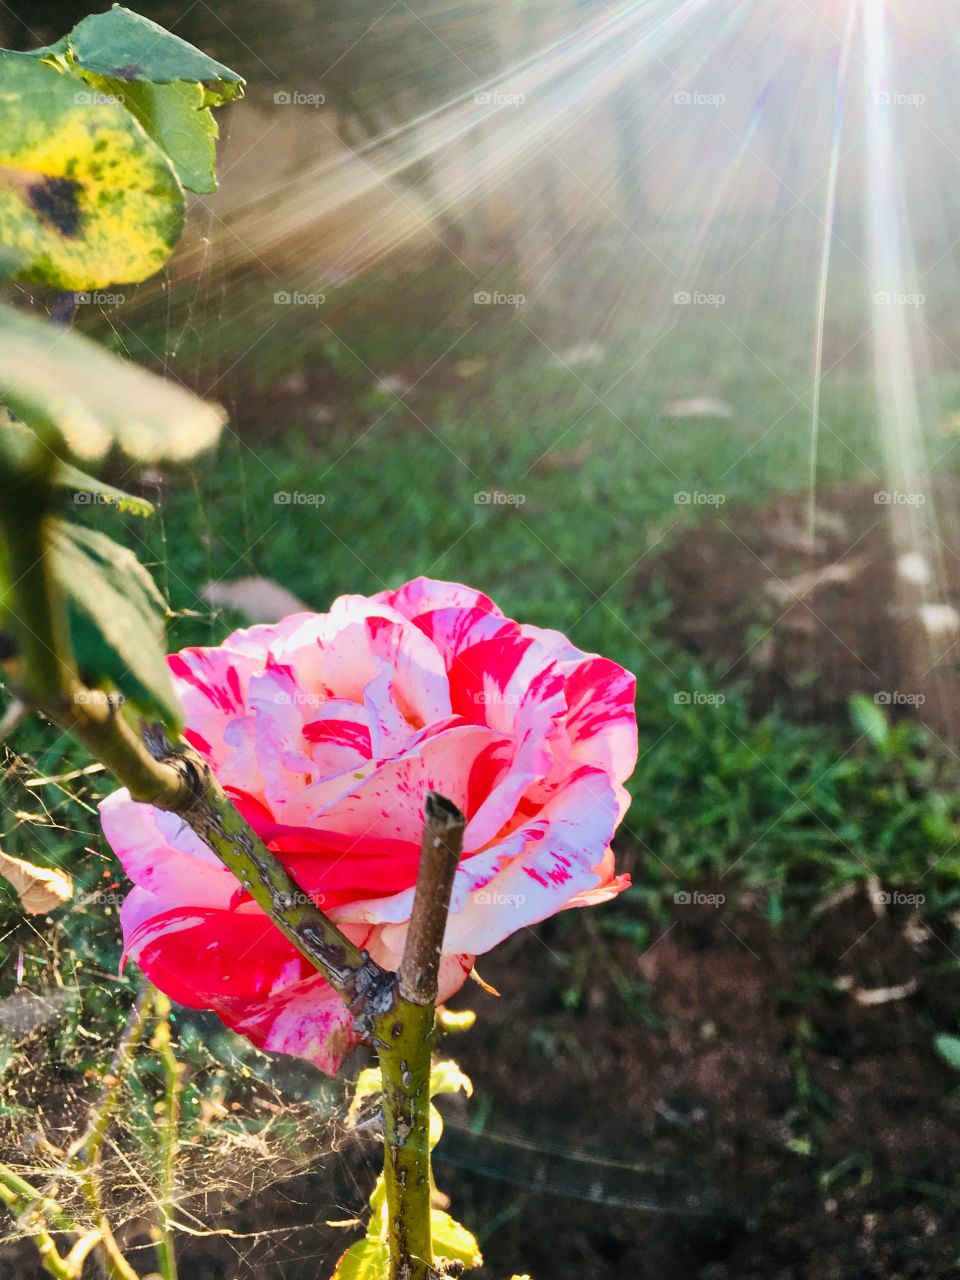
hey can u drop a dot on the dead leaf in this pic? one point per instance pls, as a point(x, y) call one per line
point(40, 889)
point(563, 459)
point(886, 995)
point(842, 571)
point(261, 599)
point(698, 407)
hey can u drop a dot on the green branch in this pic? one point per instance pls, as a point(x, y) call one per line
point(405, 1042)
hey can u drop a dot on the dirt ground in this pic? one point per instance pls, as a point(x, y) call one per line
point(808, 620)
point(760, 1116)
point(603, 1145)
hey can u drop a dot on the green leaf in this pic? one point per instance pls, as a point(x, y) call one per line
point(178, 119)
point(870, 719)
point(61, 383)
point(367, 1259)
point(86, 198)
point(948, 1048)
point(85, 489)
point(117, 618)
point(125, 46)
point(453, 1241)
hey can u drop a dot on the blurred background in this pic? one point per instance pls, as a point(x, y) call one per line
point(641, 318)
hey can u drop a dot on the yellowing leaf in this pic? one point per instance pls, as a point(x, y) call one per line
point(86, 198)
point(367, 1259)
point(369, 1083)
point(453, 1241)
point(40, 889)
point(446, 1077)
point(60, 382)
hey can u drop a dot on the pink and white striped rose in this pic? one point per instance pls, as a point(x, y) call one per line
point(328, 730)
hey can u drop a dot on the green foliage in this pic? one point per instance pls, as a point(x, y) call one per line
point(366, 1259)
point(123, 45)
point(78, 396)
point(84, 489)
point(99, 132)
point(90, 200)
point(948, 1048)
point(178, 118)
point(117, 617)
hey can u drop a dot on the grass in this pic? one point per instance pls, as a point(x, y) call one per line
point(587, 467)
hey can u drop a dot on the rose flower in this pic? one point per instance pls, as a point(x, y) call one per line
point(327, 731)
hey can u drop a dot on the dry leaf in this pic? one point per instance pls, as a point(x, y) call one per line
point(698, 407)
point(261, 599)
point(40, 889)
point(886, 995)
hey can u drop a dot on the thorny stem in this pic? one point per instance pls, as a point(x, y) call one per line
point(169, 1135)
point(405, 1040)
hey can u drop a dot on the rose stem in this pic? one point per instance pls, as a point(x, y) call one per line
point(405, 1040)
